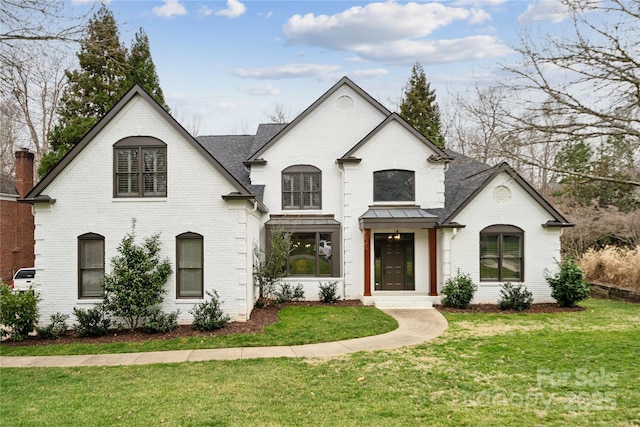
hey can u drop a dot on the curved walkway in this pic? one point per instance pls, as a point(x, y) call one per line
point(415, 326)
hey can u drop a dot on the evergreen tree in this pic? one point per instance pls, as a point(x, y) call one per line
point(142, 70)
point(419, 106)
point(107, 71)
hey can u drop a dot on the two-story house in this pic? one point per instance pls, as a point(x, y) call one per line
point(371, 204)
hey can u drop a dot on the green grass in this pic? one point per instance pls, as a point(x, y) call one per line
point(577, 368)
point(297, 325)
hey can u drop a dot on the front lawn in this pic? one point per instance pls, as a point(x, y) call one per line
point(297, 325)
point(573, 368)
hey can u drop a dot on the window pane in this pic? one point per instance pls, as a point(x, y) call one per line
point(312, 182)
point(190, 253)
point(190, 283)
point(511, 269)
point(325, 254)
point(291, 182)
point(127, 160)
point(393, 186)
point(91, 255)
point(302, 259)
point(511, 246)
point(489, 246)
point(489, 269)
point(91, 282)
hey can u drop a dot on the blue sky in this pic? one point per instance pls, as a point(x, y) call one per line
point(226, 63)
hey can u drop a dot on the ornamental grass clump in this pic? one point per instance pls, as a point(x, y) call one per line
point(613, 266)
point(458, 291)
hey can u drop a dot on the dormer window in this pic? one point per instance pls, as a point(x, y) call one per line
point(301, 187)
point(394, 185)
point(140, 167)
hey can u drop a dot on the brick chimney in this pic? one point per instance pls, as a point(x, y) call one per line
point(24, 171)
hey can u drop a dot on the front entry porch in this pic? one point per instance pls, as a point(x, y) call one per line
point(400, 299)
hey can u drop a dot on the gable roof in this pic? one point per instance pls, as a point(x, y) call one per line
point(136, 91)
point(466, 178)
point(395, 117)
point(344, 81)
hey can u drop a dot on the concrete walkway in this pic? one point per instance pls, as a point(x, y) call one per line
point(415, 327)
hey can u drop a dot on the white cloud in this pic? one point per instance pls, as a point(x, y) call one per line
point(204, 11)
point(392, 33)
point(545, 10)
point(169, 9)
point(261, 90)
point(436, 52)
point(288, 71)
point(368, 74)
point(233, 10)
point(373, 23)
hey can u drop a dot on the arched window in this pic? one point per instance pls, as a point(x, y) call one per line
point(301, 187)
point(394, 185)
point(140, 167)
point(190, 265)
point(90, 265)
point(502, 254)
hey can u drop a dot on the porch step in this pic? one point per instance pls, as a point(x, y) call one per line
point(401, 301)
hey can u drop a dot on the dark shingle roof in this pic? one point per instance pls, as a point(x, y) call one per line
point(464, 176)
point(232, 150)
point(7, 185)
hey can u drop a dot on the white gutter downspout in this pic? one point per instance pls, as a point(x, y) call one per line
point(342, 237)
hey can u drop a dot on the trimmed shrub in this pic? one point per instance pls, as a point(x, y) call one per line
point(568, 286)
point(92, 322)
point(329, 292)
point(287, 293)
point(515, 297)
point(159, 322)
point(18, 312)
point(208, 315)
point(56, 329)
point(458, 291)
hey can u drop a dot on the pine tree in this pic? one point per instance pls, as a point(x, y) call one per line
point(142, 70)
point(419, 106)
point(107, 71)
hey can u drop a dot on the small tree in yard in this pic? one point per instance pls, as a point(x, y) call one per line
point(136, 283)
point(271, 266)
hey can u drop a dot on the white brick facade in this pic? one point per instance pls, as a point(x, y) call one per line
point(344, 121)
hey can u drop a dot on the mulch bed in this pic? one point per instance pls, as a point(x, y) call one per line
point(260, 318)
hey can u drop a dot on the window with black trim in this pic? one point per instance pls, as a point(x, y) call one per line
point(311, 254)
point(189, 260)
point(394, 185)
point(502, 254)
point(90, 265)
point(301, 187)
point(140, 167)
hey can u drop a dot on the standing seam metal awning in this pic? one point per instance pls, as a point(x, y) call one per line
point(396, 217)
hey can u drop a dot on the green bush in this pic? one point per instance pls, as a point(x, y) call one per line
point(93, 322)
point(286, 293)
point(56, 329)
point(568, 286)
point(18, 312)
point(329, 292)
point(515, 297)
point(208, 315)
point(458, 291)
point(160, 322)
point(136, 282)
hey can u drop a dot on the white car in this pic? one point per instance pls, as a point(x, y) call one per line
point(23, 279)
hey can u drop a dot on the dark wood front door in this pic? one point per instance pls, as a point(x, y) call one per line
point(393, 265)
